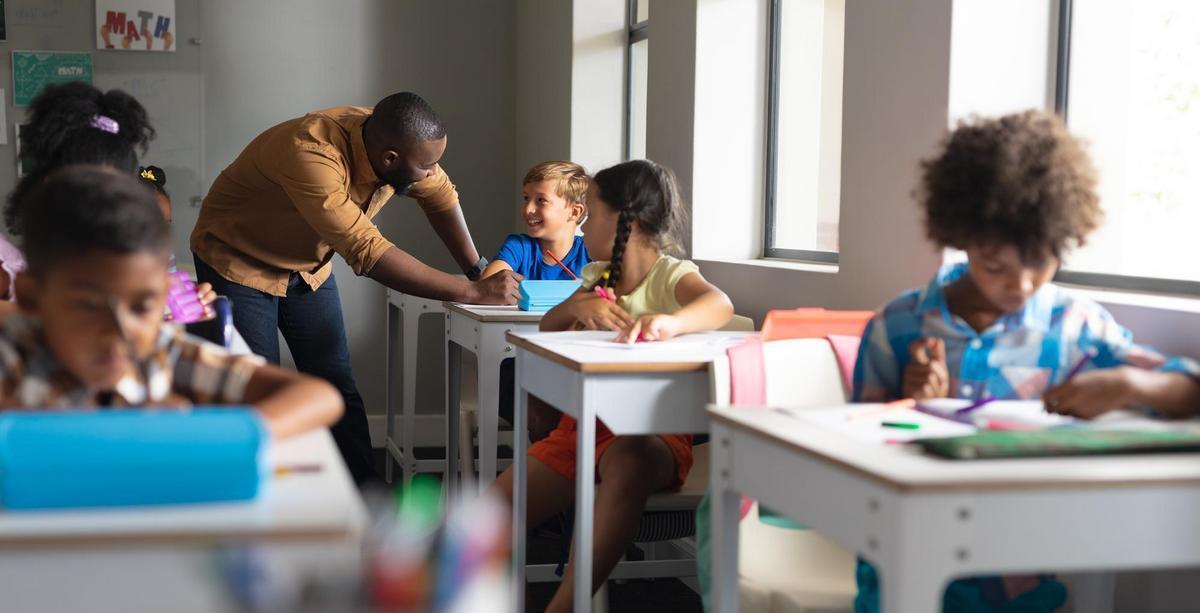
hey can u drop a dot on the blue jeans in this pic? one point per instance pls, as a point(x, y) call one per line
point(311, 323)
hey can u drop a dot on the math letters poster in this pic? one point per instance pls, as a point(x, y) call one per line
point(135, 25)
point(33, 70)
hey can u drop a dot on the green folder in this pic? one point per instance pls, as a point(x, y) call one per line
point(1059, 442)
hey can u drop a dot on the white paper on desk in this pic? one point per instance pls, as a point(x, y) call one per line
point(1030, 412)
point(867, 424)
point(687, 340)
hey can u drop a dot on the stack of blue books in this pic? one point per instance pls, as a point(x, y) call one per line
point(541, 296)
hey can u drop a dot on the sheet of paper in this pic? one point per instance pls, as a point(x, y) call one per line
point(1028, 412)
point(865, 423)
point(687, 340)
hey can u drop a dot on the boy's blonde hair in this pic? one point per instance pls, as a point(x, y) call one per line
point(570, 179)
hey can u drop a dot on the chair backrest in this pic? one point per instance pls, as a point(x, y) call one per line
point(798, 372)
point(813, 323)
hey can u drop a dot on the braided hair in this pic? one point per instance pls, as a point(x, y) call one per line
point(647, 193)
point(73, 123)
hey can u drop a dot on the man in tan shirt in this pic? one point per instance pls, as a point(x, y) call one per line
point(307, 189)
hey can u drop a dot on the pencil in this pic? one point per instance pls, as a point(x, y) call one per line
point(559, 262)
point(904, 403)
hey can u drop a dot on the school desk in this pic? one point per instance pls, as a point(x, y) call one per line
point(653, 388)
point(404, 314)
point(924, 521)
point(160, 558)
point(480, 330)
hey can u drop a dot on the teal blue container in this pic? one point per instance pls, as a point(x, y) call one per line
point(541, 296)
point(71, 459)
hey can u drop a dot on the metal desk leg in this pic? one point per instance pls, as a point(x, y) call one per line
point(453, 375)
point(520, 443)
point(585, 503)
point(389, 396)
point(724, 513)
point(490, 354)
point(408, 411)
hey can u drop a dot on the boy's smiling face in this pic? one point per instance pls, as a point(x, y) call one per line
point(548, 215)
point(1003, 279)
point(74, 301)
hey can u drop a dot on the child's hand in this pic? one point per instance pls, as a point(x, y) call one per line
point(927, 375)
point(651, 328)
point(207, 296)
point(591, 312)
point(1093, 393)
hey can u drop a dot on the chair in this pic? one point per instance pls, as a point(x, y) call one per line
point(783, 566)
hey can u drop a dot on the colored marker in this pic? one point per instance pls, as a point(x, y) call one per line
point(974, 406)
point(289, 469)
point(903, 425)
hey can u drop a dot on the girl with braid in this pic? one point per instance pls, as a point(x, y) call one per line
point(647, 296)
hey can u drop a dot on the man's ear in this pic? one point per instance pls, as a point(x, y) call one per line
point(390, 158)
point(29, 292)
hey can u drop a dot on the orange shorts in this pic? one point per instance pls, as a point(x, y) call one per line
point(558, 450)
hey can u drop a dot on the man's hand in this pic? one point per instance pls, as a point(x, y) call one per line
point(500, 288)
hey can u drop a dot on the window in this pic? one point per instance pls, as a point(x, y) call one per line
point(1129, 83)
point(804, 128)
point(636, 65)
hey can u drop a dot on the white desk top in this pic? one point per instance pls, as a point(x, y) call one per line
point(907, 469)
point(593, 351)
point(321, 505)
point(492, 313)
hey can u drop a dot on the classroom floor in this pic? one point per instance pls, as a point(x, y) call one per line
point(632, 596)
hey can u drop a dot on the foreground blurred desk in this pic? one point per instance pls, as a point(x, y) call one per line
point(162, 558)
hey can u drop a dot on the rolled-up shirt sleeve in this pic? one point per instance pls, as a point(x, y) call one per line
point(316, 183)
point(435, 193)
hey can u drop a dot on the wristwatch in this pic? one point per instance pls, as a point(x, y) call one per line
point(475, 271)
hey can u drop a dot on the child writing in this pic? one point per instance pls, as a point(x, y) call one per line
point(1016, 194)
point(90, 330)
point(554, 196)
point(634, 211)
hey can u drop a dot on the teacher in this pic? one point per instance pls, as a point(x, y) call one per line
point(308, 188)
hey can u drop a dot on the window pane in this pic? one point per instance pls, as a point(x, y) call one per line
point(638, 53)
point(1134, 94)
point(808, 159)
point(643, 10)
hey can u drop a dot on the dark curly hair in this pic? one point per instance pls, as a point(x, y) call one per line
point(79, 209)
point(1020, 180)
point(62, 129)
point(647, 193)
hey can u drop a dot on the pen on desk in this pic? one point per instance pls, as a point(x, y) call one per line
point(974, 406)
point(289, 469)
point(903, 425)
point(559, 262)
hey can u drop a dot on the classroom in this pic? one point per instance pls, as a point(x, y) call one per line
point(599, 305)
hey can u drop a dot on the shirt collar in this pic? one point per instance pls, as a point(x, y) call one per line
point(362, 171)
point(1035, 314)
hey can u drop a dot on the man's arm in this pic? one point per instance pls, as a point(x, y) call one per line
point(402, 272)
point(451, 227)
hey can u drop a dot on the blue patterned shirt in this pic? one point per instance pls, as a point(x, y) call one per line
point(1020, 356)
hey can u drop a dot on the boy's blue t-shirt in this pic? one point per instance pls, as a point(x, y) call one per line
point(523, 253)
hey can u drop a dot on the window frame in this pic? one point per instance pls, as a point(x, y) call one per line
point(1061, 99)
point(635, 32)
point(771, 150)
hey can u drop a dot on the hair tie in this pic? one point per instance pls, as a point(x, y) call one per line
point(105, 123)
point(148, 174)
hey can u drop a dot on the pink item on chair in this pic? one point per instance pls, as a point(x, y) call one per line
point(182, 300)
point(845, 349)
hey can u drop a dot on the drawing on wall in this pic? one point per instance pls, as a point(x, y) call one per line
point(135, 25)
point(33, 70)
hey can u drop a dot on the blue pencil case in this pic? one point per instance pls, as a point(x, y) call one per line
point(540, 296)
point(130, 457)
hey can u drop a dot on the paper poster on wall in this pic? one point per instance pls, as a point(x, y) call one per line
point(33, 70)
point(135, 25)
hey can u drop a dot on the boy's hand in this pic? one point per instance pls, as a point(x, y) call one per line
point(1093, 393)
point(500, 288)
point(591, 312)
point(927, 375)
point(651, 328)
point(207, 295)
